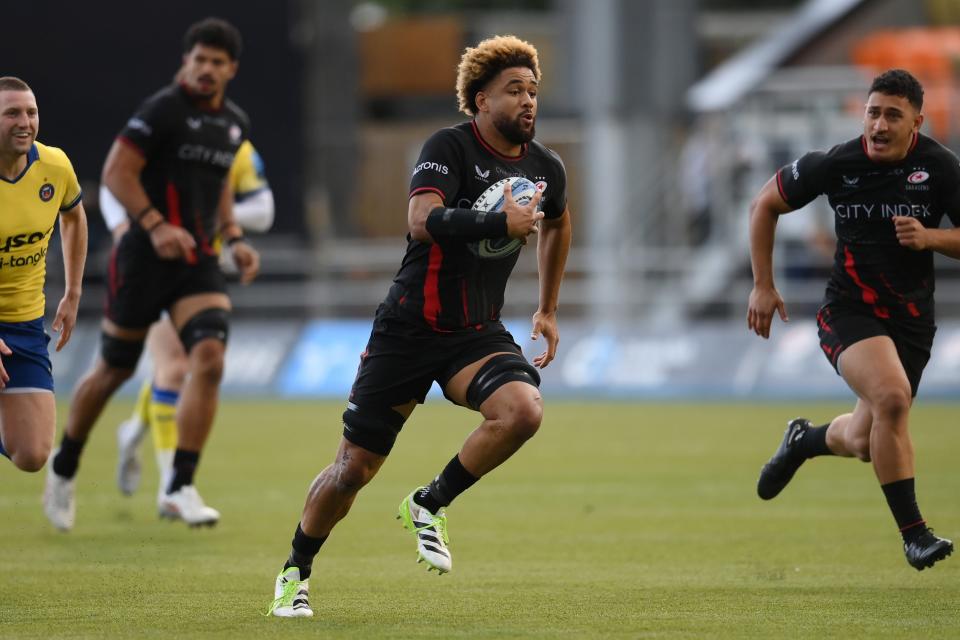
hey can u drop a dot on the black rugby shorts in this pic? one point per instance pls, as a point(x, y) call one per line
point(402, 360)
point(141, 285)
point(842, 323)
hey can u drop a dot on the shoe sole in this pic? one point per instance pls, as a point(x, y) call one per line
point(174, 517)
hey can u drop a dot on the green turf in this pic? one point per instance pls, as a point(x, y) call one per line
point(616, 521)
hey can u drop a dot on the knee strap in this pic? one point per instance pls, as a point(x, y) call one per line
point(209, 323)
point(373, 428)
point(498, 371)
point(120, 354)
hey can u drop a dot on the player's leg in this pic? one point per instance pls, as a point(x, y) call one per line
point(202, 321)
point(874, 371)
point(138, 280)
point(129, 437)
point(847, 435)
point(839, 325)
point(119, 354)
point(155, 409)
point(27, 409)
point(504, 388)
point(171, 367)
point(329, 499)
point(27, 426)
point(390, 382)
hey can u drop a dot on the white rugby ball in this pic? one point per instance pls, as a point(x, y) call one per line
point(493, 199)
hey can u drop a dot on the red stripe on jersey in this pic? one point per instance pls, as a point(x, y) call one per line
point(780, 187)
point(174, 217)
point(863, 143)
point(427, 189)
point(483, 143)
point(431, 287)
point(463, 297)
point(173, 206)
point(911, 307)
point(869, 293)
point(130, 143)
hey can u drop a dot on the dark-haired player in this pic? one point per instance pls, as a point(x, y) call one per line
point(37, 186)
point(168, 168)
point(889, 190)
point(441, 319)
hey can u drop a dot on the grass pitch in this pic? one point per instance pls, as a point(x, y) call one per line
point(616, 521)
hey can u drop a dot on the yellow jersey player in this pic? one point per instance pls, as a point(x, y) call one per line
point(156, 404)
point(37, 185)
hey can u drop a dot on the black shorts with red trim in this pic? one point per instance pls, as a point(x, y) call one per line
point(842, 323)
point(141, 285)
point(401, 363)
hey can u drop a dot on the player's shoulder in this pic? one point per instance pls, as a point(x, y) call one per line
point(52, 156)
point(236, 112)
point(847, 150)
point(167, 96)
point(539, 150)
point(458, 134)
point(931, 147)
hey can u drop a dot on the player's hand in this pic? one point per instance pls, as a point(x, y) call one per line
point(66, 318)
point(545, 324)
point(4, 376)
point(521, 220)
point(173, 243)
point(247, 260)
point(763, 302)
point(911, 233)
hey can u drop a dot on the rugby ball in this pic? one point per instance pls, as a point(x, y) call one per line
point(493, 199)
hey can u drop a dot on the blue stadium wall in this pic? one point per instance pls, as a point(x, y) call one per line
point(318, 359)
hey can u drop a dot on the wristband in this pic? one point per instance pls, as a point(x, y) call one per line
point(139, 216)
point(159, 222)
point(466, 224)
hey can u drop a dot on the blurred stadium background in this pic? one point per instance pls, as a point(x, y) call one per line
point(669, 114)
point(636, 519)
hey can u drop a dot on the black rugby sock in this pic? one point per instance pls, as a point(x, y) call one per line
point(67, 460)
point(902, 500)
point(304, 549)
point(814, 443)
point(184, 466)
point(451, 482)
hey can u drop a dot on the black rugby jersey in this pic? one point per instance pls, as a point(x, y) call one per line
point(869, 264)
point(453, 285)
point(188, 151)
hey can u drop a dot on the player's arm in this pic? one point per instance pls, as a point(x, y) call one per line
point(765, 209)
point(73, 231)
point(245, 256)
point(429, 220)
point(552, 250)
point(114, 215)
point(253, 206)
point(255, 212)
point(912, 234)
point(121, 175)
